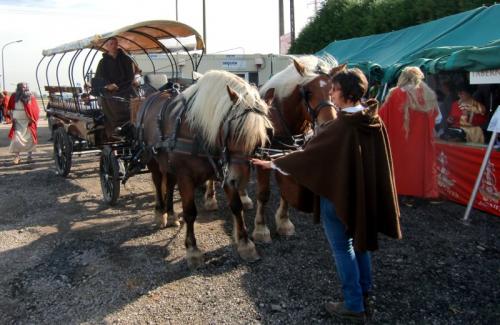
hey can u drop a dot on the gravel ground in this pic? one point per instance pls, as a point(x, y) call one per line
point(67, 258)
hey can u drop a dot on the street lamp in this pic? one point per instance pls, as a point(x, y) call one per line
point(3, 65)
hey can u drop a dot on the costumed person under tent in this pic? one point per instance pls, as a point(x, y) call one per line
point(468, 114)
point(24, 110)
point(409, 114)
point(348, 164)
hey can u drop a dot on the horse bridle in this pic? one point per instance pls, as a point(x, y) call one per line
point(298, 140)
point(313, 111)
point(227, 157)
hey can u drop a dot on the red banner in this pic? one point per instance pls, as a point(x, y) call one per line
point(457, 169)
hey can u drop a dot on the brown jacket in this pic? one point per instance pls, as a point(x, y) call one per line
point(349, 162)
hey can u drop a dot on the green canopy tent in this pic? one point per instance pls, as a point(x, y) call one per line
point(466, 41)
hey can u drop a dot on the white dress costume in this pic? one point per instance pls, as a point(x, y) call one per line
point(22, 140)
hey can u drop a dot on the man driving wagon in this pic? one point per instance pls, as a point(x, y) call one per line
point(116, 82)
point(116, 72)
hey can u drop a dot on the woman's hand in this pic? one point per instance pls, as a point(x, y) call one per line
point(264, 164)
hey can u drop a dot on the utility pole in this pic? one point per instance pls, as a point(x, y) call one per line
point(292, 22)
point(204, 27)
point(282, 23)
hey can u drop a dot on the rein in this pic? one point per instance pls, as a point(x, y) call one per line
point(289, 141)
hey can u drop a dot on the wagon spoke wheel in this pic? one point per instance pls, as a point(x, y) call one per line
point(63, 149)
point(109, 169)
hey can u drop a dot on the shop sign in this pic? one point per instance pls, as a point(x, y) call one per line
point(233, 63)
point(485, 77)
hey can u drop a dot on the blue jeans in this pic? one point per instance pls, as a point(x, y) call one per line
point(353, 268)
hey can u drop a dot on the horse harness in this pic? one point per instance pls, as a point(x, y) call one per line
point(219, 160)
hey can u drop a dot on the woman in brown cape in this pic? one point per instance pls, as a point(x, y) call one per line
point(348, 164)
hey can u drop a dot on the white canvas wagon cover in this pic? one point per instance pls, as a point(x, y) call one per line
point(137, 38)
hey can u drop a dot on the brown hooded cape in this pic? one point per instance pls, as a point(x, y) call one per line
point(349, 162)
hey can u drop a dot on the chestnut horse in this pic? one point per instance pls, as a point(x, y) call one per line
point(300, 91)
point(207, 131)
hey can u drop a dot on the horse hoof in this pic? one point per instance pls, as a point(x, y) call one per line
point(262, 235)
point(161, 219)
point(286, 229)
point(211, 204)
point(247, 251)
point(247, 203)
point(173, 221)
point(194, 258)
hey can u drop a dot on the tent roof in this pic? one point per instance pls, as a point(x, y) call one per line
point(135, 37)
point(460, 41)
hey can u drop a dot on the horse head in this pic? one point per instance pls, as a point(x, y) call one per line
point(302, 90)
point(243, 132)
point(232, 119)
point(315, 91)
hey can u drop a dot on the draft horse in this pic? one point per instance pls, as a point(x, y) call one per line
point(300, 91)
point(297, 95)
point(209, 130)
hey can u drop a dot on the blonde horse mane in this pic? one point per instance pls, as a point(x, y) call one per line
point(211, 107)
point(286, 80)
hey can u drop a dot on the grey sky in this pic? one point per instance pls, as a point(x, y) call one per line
point(233, 26)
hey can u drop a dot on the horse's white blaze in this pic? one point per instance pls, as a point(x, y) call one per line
point(285, 81)
point(322, 84)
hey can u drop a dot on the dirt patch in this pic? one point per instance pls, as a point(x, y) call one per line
point(66, 257)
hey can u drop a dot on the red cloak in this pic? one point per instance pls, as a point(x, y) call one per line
point(414, 155)
point(5, 104)
point(32, 112)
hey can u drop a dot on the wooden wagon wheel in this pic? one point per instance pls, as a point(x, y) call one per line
point(63, 150)
point(109, 170)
